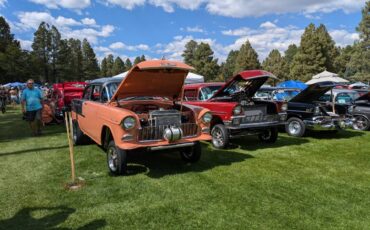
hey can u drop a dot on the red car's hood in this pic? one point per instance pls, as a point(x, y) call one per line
point(252, 81)
point(158, 78)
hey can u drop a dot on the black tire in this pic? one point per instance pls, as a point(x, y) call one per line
point(220, 136)
point(79, 138)
point(362, 123)
point(269, 136)
point(191, 154)
point(116, 159)
point(295, 127)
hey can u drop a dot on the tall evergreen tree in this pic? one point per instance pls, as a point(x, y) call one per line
point(76, 59)
point(128, 64)
point(110, 63)
point(275, 64)
point(54, 53)
point(142, 58)
point(6, 38)
point(89, 61)
point(310, 58)
point(247, 58)
point(189, 52)
point(137, 60)
point(42, 47)
point(104, 68)
point(118, 66)
point(341, 61)
point(204, 62)
point(329, 50)
point(64, 62)
point(228, 67)
point(288, 58)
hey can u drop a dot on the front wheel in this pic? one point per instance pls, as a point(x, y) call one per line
point(361, 123)
point(269, 136)
point(295, 127)
point(116, 159)
point(220, 136)
point(191, 154)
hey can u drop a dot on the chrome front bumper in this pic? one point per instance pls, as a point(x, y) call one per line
point(328, 123)
point(239, 122)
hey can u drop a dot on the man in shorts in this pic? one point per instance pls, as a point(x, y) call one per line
point(32, 106)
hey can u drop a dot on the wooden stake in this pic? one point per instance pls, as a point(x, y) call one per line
point(69, 127)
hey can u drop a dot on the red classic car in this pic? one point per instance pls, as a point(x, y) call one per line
point(63, 93)
point(235, 112)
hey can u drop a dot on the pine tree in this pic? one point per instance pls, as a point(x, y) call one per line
point(54, 53)
point(228, 67)
point(110, 62)
point(247, 59)
point(76, 59)
point(329, 50)
point(104, 68)
point(128, 64)
point(118, 66)
point(6, 38)
point(341, 61)
point(189, 52)
point(64, 62)
point(310, 58)
point(204, 62)
point(89, 61)
point(288, 58)
point(276, 64)
point(142, 58)
point(42, 47)
point(137, 60)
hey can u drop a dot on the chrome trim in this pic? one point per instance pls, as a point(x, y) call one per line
point(127, 137)
point(155, 133)
point(183, 145)
point(328, 123)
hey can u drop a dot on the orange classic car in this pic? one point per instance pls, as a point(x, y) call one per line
point(142, 111)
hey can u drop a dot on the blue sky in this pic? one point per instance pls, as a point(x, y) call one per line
point(157, 28)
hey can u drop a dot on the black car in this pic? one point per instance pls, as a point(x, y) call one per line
point(306, 112)
point(361, 113)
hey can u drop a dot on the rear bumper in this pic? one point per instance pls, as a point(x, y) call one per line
point(328, 123)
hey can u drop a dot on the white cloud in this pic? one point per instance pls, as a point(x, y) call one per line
point(343, 37)
point(88, 21)
point(126, 4)
point(121, 45)
point(2, 3)
point(169, 5)
point(25, 44)
point(69, 4)
point(66, 26)
point(238, 32)
point(195, 29)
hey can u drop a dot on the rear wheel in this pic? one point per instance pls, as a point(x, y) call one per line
point(79, 137)
point(116, 159)
point(191, 154)
point(220, 136)
point(361, 123)
point(295, 127)
point(269, 136)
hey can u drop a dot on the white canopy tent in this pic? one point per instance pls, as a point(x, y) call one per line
point(358, 85)
point(190, 78)
point(326, 76)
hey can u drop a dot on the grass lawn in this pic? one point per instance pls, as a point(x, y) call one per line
point(317, 182)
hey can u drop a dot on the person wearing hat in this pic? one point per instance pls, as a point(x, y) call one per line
point(32, 106)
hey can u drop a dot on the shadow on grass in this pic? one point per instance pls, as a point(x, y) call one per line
point(24, 219)
point(252, 143)
point(14, 128)
point(159, 164)
point(341, 134)
point(32, 150)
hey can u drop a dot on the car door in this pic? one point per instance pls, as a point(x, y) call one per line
point(91, 123)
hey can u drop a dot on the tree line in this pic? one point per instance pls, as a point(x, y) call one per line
point(54, 59)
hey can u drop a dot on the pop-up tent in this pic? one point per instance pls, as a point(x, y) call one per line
point(326, 76)
point(358, 85)
point(292, 84)
point(190, 78)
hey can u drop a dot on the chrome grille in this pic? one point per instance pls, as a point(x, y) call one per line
point(259, 118)
point(153, 133)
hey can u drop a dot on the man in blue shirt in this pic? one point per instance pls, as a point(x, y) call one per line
point(32, 106)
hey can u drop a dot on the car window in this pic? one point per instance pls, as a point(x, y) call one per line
point(87, 93)
point(208, 91)
point(190, 94)
point(345, 98)
point(95, 96)
point(325, 97)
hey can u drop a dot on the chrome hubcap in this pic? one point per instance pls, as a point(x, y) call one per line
point(266, 135)
point(218, 139)
point(294, 127)
point(112, 159)
point(361, 123)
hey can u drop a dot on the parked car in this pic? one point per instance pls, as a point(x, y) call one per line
point(361, 113)
point(276, 93)
point(307, 112)
point(201, 91)
point(236, 113)
point(142, 112)
point(62, 95)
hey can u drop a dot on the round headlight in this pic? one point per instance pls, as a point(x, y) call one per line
point(129, 123)
point(284, 107)
point(207, 117)
point(237, 110)
point(317, 111)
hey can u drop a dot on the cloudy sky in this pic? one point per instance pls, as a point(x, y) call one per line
point(158, 28)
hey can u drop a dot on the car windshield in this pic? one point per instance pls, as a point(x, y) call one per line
point(284, 94)
point(346, 98)
point(208, 91)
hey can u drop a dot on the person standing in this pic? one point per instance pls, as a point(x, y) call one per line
point(32, 106)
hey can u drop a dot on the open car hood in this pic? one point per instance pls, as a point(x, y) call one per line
point(157, 78)
point(252, 81)
point(313, 92)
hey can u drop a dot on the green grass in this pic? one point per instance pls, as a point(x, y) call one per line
point(318, 182)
